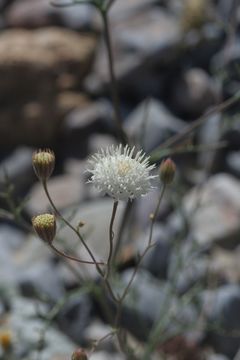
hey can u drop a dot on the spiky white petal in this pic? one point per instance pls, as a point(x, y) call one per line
point(119, 173)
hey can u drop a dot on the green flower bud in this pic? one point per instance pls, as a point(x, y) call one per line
point(45, 227)
point(43, 163)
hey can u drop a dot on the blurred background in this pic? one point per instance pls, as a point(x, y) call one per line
point(175, 61)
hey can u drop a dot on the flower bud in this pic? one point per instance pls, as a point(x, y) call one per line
point(5, 340)
point(43, 163)
point(45, 227)
point(79, 354)
point(167, 171)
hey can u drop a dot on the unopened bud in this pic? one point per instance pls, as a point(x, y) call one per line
point(79, 354)
point(167, 171)
point(45, 227)
point(43, 163)
point(5, 340)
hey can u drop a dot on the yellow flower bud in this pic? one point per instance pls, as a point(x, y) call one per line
point(43, 163)
point(5, 340)
point(45, 227)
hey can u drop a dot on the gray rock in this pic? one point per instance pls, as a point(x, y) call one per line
point(194, 92)
point(26, 329)
point(223, 309)
point(11, 240)
point(75, 316)
point(151, 302)
point(151, 123)
point(233, 163)
point(81, 123)
point(216, 357)
point(16, 170)
point(208, 134)
point(66, 190)
point(103, 355)
point(43, 282)
point(157, 259)
point(213, 211)
point(140, 41)
point(39, 13)
point(96, 216)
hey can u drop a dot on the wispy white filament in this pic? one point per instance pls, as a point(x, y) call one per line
point(121, 174)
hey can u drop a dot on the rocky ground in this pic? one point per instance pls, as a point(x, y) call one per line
point(174, 60)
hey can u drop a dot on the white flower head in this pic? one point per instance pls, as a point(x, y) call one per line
point(121, 174)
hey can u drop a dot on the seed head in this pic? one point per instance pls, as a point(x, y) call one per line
point(167, 171)
point(79, 354)
point(121, 174)
point(45, 227)
point(43, 163)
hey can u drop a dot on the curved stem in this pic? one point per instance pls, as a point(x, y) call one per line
point(73, 229)
point(97, 264)
point(70, 257)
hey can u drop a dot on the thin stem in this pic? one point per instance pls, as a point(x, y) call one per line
point(154, 215)
point(125, 217)
point(109, 4)
point(149, 246)
point(113, 82)
point(111, 237)
point(189, 129)
point(70, 257)
point(44, 183)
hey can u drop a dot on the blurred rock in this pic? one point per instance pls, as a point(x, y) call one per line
point(100, 141)
point(157, 259)
point(216, 357)
point(225, 63)
point(97, 330)
point(37, 59)
point(224, 265)
point(223, 309)
point(194, 93)
point(16, 170)
point(39, 13)
point(24, 316)
point(150, 302)
point(65, 190)
point(213, 211)
point(41, 280)
point(151, 123)
point(81, 123)
point(146, 205)
point(11, 240)
point(140, 41)
point(31, 74)
point(96, 216)
point(233, 163)
point(209, 134)
point(103, 355)
point(74, 317)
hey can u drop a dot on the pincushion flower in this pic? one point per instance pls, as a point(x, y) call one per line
point(121, 174)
